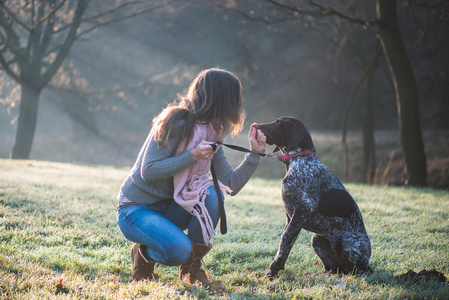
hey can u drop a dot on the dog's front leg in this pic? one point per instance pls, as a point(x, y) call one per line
point(288, 239)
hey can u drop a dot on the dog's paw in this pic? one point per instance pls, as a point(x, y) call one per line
point(367, 271)
point(271, 275)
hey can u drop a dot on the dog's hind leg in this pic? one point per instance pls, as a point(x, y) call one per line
point(288, 238)
point(323, 248)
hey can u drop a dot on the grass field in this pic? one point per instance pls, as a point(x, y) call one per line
point(59, 240)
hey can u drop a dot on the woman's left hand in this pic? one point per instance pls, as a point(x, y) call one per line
point(257, 141)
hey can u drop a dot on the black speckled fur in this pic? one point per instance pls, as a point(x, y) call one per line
point(341, 242)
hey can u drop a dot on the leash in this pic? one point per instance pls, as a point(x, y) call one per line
point(241, 149)
point(223, 225)
point(283, 157)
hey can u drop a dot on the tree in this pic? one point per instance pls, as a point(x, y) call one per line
point(393, 47)
point(31, 65)
point(35, 38)
point(406, 93)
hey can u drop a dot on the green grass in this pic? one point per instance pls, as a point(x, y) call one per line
point(59, 240)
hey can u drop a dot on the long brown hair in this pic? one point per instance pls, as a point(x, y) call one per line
point(213, 96)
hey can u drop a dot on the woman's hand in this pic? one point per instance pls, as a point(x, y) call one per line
point(257, 141)
point(203, 151)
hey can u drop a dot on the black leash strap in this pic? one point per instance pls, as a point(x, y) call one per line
point(238, 148)
point(223, 225)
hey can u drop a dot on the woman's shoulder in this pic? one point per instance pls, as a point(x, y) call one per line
point(177, 128)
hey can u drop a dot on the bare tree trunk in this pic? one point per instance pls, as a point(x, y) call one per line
point(369, 144)
point(26, 124)
point(406, 93)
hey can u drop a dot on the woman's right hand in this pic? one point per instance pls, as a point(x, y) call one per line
point(203, 151)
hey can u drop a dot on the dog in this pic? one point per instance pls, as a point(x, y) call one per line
point(315, 200)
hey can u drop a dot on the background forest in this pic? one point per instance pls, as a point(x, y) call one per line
point(98, 107)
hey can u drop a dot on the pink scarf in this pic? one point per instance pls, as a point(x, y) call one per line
point(191, 185)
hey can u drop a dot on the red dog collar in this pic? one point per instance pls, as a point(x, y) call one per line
point(293, 155)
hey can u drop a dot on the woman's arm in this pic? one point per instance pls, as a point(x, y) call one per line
point(238, 177)
point(159, 162)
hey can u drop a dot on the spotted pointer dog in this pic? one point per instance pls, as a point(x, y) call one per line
point(314, 199)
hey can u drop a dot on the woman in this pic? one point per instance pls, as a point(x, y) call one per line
point(168, 189)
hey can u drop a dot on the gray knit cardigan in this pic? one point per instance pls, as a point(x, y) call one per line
point(150, 180)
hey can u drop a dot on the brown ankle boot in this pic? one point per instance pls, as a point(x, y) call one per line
point(192, 267)
point(142, 268)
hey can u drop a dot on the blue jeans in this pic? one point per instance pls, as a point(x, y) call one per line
point(160, 229)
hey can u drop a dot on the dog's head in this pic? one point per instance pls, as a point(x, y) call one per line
point(287, 133)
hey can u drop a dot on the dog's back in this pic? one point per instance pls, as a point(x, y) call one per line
point(308, 177)
point(310, 182)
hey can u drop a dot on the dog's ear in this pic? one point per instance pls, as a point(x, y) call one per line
point(276, 149)
point(296, 134)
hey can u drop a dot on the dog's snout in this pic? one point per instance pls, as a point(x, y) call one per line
point(262, 127)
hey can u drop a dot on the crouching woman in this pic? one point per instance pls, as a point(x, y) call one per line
point(168, 189)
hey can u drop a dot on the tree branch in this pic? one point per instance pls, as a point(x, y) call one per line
point(13, 16)
point(5, 66)
point(12, 42)
point(118, 19)
point(291, 8)
point(326, 11)
point(48, 31)
point(322, 11)
point(114, 9)
point(113, 20)
point(68, 42)
point(33, 52)
point(242, 13)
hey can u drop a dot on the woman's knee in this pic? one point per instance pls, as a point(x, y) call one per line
point(174, 253)
point(178, 254)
